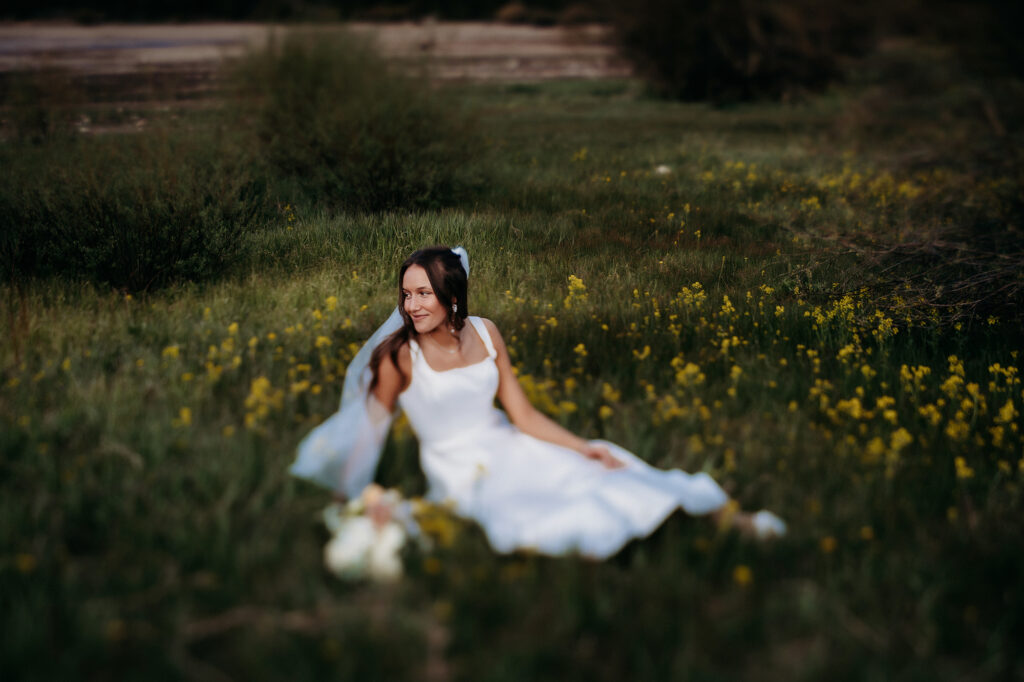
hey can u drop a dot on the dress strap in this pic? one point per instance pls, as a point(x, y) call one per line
point(485, 335)
point(414, 349)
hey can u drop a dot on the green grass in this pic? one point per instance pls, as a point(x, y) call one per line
point(149, 528)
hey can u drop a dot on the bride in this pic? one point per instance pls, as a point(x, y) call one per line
point(528, 482)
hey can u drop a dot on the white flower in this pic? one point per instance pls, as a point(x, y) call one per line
point(385, 561)
point(768, 526)
point(347, 552)
point(368, 535)
point(662, 170)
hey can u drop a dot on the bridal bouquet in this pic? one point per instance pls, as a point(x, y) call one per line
point(368, 534)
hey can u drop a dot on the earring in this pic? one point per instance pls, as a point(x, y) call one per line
point(455, 307)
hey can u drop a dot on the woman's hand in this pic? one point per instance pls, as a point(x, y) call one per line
point(601, 454)
point(379, 508)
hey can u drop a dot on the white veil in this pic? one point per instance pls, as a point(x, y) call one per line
point(342, 452)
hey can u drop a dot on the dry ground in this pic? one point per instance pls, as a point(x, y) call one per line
point(452, 50)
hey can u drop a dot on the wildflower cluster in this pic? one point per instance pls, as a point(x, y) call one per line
point(700, 362)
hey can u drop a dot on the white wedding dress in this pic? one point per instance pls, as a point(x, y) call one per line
point(527, 493)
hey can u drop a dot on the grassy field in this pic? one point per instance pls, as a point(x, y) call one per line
point(787, 305)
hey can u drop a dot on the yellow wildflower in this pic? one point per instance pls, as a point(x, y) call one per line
point(26, 563)
point(851, 407)
point(184, 417)
point(1006, 413)
point(690, 375)
point(742, 575)
point(875, 450)
point(900, 439)
point(957, 429)
point(577, 291)
point(609, 393)
point(962, 470)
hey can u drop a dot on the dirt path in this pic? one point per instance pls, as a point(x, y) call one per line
point(470, 51)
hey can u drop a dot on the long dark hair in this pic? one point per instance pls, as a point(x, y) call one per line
point(450, 284)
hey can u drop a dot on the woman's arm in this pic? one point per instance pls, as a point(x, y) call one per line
point(529, 419)
point(391, 382)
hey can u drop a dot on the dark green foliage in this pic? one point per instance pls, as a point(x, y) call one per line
point(729, 50)
point(39, 105)
point(134, 213)
point(340, 128)
point(315, 123)
point(986, 35)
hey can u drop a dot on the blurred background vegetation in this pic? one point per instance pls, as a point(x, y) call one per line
point(184, 282)
point(752, 37)
point(311, 121)
point(320, 122)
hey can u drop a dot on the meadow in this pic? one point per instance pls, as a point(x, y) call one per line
point(815, 306)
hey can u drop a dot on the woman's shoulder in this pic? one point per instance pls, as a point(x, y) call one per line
point(492, 331)
point(403, 355)
point(491, 327)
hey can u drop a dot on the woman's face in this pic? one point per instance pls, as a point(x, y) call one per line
point(420, 302)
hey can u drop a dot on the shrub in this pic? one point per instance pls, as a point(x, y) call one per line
point(513, 13)
point(39, 105)
point(579, 13)
point(341, 128)
point(738, 49)
point(135, 212)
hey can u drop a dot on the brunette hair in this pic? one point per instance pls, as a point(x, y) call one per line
point(450, 283)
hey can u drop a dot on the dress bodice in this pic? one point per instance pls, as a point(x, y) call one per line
point(451, 405)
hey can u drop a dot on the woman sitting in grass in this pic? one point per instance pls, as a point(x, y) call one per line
point(530, 484)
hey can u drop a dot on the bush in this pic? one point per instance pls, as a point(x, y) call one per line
point(39, 105)
point(135, 212)
point(727, 50)
point(340, 128)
